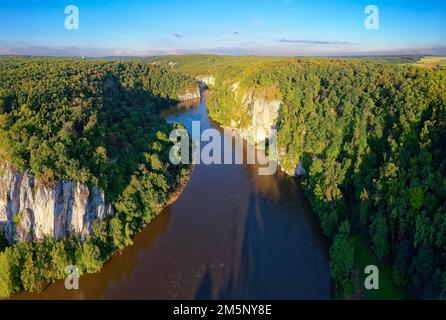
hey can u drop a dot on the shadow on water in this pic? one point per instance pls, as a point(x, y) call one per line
point(232, 234)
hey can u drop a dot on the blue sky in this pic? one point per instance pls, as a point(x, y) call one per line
point(268, 27)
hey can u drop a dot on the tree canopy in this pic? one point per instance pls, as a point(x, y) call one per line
point(89, 121)
point(371, 136)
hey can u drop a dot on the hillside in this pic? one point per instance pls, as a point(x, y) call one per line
point(84, 160)
point(371, 137)
point(367, 137)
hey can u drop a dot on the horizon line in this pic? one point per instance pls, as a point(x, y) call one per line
point(355, 55)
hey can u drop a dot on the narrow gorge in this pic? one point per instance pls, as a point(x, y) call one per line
point(365, 137)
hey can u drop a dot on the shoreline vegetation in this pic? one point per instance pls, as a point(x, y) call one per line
point(370, 134)
point(364, 256)
point(93, 122)
point(173, 197)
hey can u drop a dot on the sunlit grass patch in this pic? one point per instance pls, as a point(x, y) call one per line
point(388, 290)
point(432, 62)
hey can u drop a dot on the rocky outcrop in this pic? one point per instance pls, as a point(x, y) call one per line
point(31, 211)
point(206, 81)
point(297, 171)
point(264, 115)
point(190, 95)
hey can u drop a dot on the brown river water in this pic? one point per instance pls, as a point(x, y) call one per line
point(232, 234)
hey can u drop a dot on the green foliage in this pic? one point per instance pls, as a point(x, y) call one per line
point(416, 197)
point(117, 233)
point(30, 274)
point(89, 121)
point(371, 135)
point(342, 259)
point(59, 260)
point(389, 286)
point(379, 234)
point(90, 257)
point(5, 276)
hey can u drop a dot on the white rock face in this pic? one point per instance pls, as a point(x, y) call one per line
point(190, 95)
point(264, 114)
point(206, 81)
point(40, 211)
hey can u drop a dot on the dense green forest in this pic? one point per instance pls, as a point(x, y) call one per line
point(94, 122)
point(371, 136)
point(80, 120)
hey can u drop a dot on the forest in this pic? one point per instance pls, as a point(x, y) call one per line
point(371, 136)
point(94, 122)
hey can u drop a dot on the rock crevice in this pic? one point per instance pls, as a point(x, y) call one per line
point(30, 211)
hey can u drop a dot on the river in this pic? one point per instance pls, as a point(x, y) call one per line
point(232, 234)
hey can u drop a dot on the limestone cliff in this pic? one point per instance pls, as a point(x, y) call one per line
point(253, 114)
point(206, 81)
point(263, 113)
point(190, 95)
point(31, 211)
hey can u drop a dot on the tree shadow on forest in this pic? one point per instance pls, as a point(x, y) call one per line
point(402, 253)
point(128, 120)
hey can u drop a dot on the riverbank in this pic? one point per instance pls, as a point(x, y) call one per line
point(109, 236)
point(218, 240)
point(179, 188)
point(363, 257)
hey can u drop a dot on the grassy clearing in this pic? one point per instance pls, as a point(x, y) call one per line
point(431, 62)
point(388, 290)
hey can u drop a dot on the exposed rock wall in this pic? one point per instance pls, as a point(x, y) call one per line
point(190, 95)
point(206, 81)
point(264, 114)
point(30, 211)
